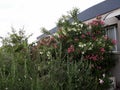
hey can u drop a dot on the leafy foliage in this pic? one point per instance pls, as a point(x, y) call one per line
point(76, 57)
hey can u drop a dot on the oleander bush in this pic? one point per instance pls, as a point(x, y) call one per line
point(77, 57)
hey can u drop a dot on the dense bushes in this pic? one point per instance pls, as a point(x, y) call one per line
point(76, 57)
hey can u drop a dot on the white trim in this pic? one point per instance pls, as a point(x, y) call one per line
point(113, 13)
point(115, 37)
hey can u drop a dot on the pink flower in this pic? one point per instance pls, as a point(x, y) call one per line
point(83, 36)
point(55, 45)
point(102, 50)
point(94, 38)
point(114, 42)
point(61, 36)
point(71, 49)
point(102, 23)
point(98, 67)
point(94, 23)
point(101, 81)
point(76, 39)
point(105, 37)
point(88, 33)
point(52, 38)
point(98, 32)
point(97, 22)
point(92, 65)
point(94, 58)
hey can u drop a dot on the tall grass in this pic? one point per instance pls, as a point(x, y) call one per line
point(19, 72)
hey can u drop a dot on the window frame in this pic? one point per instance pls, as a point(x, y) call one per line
point(115, 28)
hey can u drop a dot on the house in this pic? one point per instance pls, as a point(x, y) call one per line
point(109, 10)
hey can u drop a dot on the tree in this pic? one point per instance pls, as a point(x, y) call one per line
point(16, 41)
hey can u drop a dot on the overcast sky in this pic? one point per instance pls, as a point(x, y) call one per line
point(34, 14)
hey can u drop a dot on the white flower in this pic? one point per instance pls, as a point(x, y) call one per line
point(64, 32)
point(81, 25)
point(101, 81)
point(78, 29)
point(48, 53)
point(84, 45)
point(56, 34)
point(69, 29)
point(38, 68)
point(6, 88)
point(74, 23)
point(103, 75)
point(89, 43)
point(74, 29)
point(83, 52)
point(111, 47)
point(41, 53)
point(99, 42)
point(30, 78)
point(80, 44)
point(90, 48)
point(25, 76)
point(19, 79)
point(35, 44)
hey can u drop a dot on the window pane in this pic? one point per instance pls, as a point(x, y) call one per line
point(111, 32)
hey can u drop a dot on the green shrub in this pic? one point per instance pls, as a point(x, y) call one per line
point(76, 57)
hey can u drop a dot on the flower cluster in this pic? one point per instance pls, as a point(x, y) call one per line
point(114, 42)
point(71, 49)
point(101, 81)
point(97, 22)
point(93, 57)
point(102, 50)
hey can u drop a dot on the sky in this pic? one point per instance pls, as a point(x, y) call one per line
point(34, 14)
